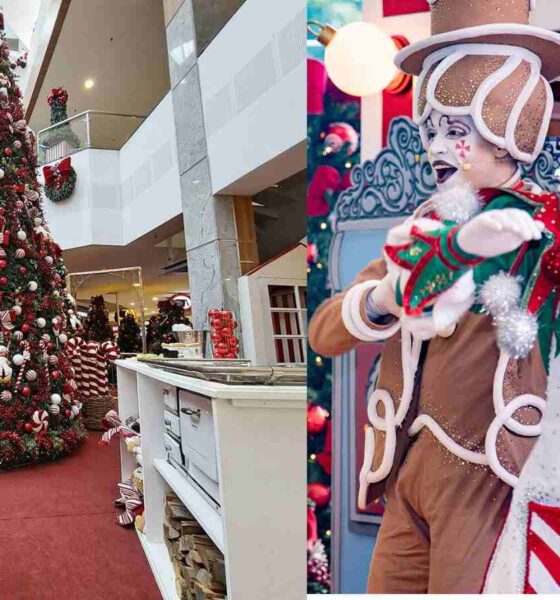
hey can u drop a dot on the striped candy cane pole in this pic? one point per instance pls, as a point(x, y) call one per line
point(109, 352)
point(73, 352)
point(86, 371)
point(22, 367)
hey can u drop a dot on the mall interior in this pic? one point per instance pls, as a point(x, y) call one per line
point(170, 142)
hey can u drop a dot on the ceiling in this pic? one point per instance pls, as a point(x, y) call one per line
point(121, 46)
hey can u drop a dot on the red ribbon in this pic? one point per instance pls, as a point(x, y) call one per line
point(59, 173)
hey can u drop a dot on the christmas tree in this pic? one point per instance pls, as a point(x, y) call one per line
point(333, 123)
point(97, 327)
point(58, 101)
point(39, 415)
point(129, 334)
point(160, 326)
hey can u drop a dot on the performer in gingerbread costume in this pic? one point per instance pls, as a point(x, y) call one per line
point(465, 300)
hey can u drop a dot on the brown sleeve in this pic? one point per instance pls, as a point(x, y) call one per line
point(327, 334)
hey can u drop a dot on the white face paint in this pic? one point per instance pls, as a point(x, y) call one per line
point(459, 154)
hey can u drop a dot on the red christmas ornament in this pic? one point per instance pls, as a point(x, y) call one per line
point(26, 391)
point(22, 270)
point(67, 389)
point(68, 413)
point(55, 374)
point(316, 418)
point(3, 264)
point(28, 428)
point(3, 281)
point(25, 328)
point(319, 493)
point(8, 151)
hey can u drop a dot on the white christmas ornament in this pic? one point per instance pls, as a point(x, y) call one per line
point(18, 335)
point(32, 286)
point(54, 409)
point(21, 235)
point(75, 411)
point(41, 322)
point(49, 260)
point(20, 253)
point(2, 173)
point(63, 338)
point(17, 309)
point(3, 351)
point(31, 375)
point(6, 396)
point(53, 359)
point(56, 399)
point(17, 359)
point(46, 337)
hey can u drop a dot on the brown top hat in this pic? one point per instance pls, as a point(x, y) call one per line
point(504, 22)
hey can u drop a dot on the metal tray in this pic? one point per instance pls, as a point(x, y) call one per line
point(234, 372)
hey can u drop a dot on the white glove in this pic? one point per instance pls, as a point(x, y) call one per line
point(498, 232)
point(384, 297)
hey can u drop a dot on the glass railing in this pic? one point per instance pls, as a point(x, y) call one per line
point(90, 129)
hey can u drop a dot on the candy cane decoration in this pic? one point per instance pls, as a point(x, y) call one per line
point(26, 357)
point(131, 499)
point(73, 352)
point(114, 422)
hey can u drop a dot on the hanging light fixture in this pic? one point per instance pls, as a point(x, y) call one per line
point(358, 57)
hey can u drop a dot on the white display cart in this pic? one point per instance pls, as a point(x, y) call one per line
point(259, 519)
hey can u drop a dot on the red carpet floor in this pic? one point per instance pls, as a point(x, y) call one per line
point(58, 537)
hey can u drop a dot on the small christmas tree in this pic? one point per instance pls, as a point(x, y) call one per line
point(129, 334)
point(97, 327)
point(160, 327)
point(58, 101)
point(39, 415)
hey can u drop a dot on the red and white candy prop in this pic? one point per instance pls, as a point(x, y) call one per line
point(222, 326)
point(40, 421)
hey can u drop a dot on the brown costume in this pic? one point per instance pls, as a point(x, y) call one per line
point(435, 500)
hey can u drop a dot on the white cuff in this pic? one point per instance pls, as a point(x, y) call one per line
point(352, 315)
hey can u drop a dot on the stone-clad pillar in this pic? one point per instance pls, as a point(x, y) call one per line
point(210, 232)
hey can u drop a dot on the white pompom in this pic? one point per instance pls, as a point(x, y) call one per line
point(517, 332)
point(458, 204)
point(501, 293)
point(17, 359)
point(56, 399)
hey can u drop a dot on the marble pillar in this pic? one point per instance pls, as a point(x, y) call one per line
point(210, 231)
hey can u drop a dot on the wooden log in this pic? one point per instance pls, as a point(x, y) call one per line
point(218, 570)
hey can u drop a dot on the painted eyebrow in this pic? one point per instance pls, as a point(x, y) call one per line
point(454, 121)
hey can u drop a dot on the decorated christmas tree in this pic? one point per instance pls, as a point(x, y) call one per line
point(39, 415)
point(160, 326)
point(333, 123)
point(97, 327)
point(129, 334)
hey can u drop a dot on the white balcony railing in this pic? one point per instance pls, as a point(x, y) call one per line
point(91, 129)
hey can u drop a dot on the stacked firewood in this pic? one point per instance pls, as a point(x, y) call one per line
point(199, 565)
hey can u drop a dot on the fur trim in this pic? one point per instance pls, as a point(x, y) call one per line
point(458, 204)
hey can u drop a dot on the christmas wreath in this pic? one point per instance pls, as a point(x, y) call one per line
point(60, 180)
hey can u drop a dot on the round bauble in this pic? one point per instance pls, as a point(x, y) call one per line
point(6, 396)
point(68, 413)
point(3, 264)
point(28, 428)
point(3, 351)
point(41, 322)
point(54, 409)
point(21, 235)
point(63, 338)
point(17, 335)
point(19, 204)
point(319, 493)
point(25, 327)
point(37, 220)
point(46, 337)
point(3, 281)
point(31, 375)
point(316, 418)
point(22, 270)
point(8, 151)
point(17, 144)
point(55, 375)
point(75, 411)
point(2, 173)
point(17, 309)
point(32, 286)
point(26, 391)
point(49, 260)
point(53, 359)
point(50, 346)
point(56, 399)
point(17, 359)
point(20, 253)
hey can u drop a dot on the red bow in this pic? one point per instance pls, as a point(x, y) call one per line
point(58, 173)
